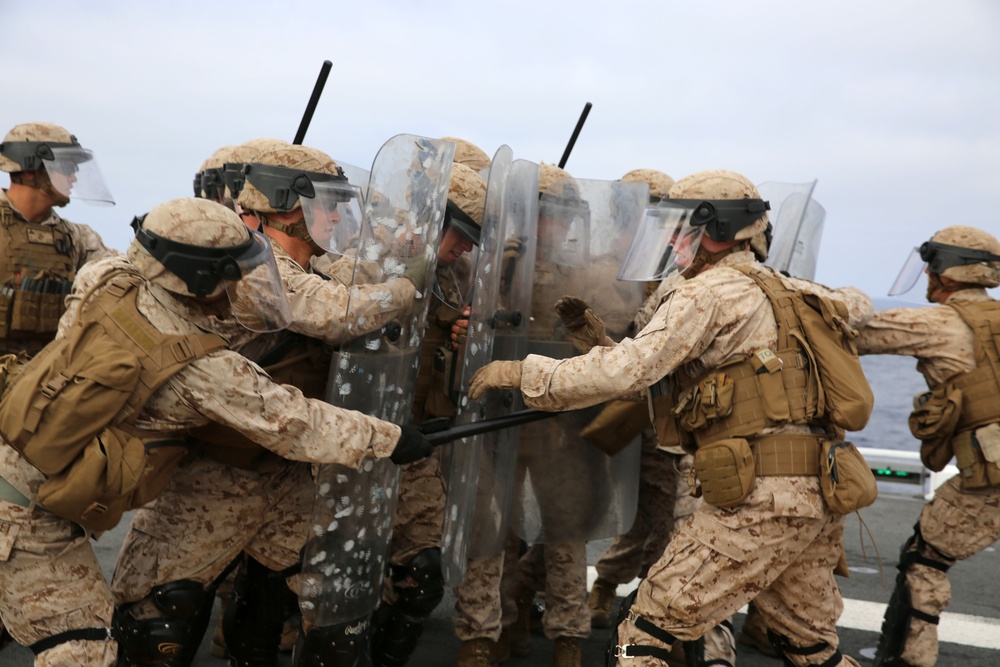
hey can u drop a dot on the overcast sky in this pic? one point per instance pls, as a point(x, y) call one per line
point(894, 105)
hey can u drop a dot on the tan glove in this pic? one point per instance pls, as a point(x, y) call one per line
point(495, 375)
point(586, 330)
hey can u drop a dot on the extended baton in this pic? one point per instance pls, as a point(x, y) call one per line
point(324, 72)
point(438, 432)
point(576, 133)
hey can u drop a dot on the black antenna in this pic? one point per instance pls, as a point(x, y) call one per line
point(324, 72)
point(576, 133)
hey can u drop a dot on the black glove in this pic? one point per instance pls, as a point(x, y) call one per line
point(412, 446)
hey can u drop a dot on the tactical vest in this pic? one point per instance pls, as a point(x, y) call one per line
point(36, 274)
point(980, 393)
point(295, 360)
point(92, 480)
point(748, 394)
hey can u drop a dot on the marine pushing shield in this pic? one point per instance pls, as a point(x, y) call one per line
point(344, 561)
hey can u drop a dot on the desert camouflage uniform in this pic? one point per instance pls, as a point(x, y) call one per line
point(50, 580)
point(83, 245)
point(660, 487)
point(782, 543)
point(957, 523)
point(211, 511)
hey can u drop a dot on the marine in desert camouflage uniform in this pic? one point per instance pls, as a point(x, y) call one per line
point(54, 596)
point(234, 497)
point(782, 542)
point(41, 251)
point(956, 347)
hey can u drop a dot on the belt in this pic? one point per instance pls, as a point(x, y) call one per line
point(786, 454)
point(12, 495)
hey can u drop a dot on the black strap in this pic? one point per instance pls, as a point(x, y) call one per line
point(641, 650)
point(925, 617)
point(84, 635)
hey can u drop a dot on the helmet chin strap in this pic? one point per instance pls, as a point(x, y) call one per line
point(45, 185)
point(295, 229)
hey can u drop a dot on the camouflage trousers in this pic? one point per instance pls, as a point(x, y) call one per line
point(778, 548)
point(560, 571)
point(958, 524)
point(51, 582)
point(208, 514)
point(630, 555)
point(419, 517)
point(486, 600)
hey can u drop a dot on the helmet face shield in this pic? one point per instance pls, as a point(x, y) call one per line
point(247, 273)
point(258, 298)
point(666, 241)
point(909, 274)
point(333, 215)
point(71, 168)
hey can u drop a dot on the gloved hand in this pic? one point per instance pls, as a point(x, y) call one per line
point(495, 375)
point(418, 272)
point(412, 446)
point(585, 328)
point(460, 329)
point(513, 248)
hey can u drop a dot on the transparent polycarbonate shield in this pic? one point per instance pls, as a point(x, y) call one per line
point(498, 457)
point(594, 495)
point(913, 268)
point(665, 242)
point(258, 299)
point(332, 215)
point(345, 558)
point(797, 227)
point(74, 173)
point(461, 459)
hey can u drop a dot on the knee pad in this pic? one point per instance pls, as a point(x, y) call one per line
point(343, 645)
point(616, 650)
point(397, 627)
point(899, 612)
point(784, 648)
point(253, 622)
point(424, 569)
point(172, 636)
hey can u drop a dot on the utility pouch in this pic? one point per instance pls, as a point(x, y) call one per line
point(725, 469)
point(6, 306)
point(933, 421)
point(24, 311)
point(709, 400)
point(669, 436)
point(767, 369)
point(96, 490)
point(163, 456)
point(616, 425)
point(50, 309)
point(845, 478)
point(975, 470)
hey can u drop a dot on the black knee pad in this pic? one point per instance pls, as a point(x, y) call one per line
point(254, 620)
point(343, 645)
point(784, 648)
point(172, 637)
point(397, 627)
point(899, 612)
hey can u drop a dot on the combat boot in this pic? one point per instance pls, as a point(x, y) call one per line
point(754, 633)
point(479, 652)
point(567, 652)
point(600, 601)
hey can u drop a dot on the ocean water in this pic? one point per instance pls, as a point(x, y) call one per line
point(894, 381)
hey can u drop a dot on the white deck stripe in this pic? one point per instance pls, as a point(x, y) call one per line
point(978, 631)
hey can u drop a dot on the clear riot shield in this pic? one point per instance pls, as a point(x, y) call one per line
point(463, 461)
point(797, 221)
point(594, 496)
point(345, 558)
